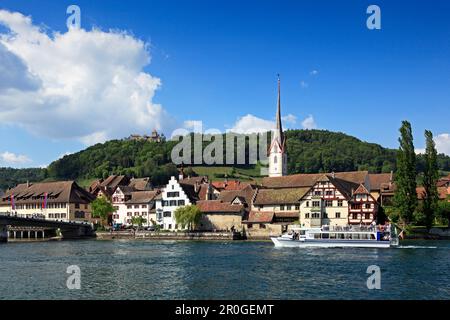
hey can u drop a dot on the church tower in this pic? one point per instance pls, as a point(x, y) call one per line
point(277, 149)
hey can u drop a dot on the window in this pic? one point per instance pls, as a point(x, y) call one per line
point(181, 202)
point(250, 226)
point(297, 207)
point(367, 216)
point(328, 203)
point(316, 203)
point(317, 193)
point(167, 214)
point(128, 207)
point(173, 194)
point(315, 215)
point(288, 208)
point(172, 203)
point(368, 206)
point(325, 215)
point(307, 203)
point(356, 206)
point(77, 206)
point(306, 215)
point(338, 215)
point(136, 214)
point(136, 206)
point(340, 203)
point(282, 207)
point(129, 214)
point(262, 226)
point(144, 206)
point(78, 215)
point(275, 159)
point(165, 203)
point(329, 193)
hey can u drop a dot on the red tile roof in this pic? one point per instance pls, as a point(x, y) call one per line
point(280, 196)
point(260, 217)
point(309, 179)
point(442, 191)
point(216, 206)
point(378, 179)
point(230, 185)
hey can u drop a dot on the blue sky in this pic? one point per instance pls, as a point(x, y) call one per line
point(217, 61)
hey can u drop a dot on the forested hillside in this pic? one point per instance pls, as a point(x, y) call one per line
point(308, 151)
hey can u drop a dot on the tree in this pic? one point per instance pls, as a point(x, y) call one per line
point(405, 198)
point(188, 216)
point(101, 208)
point(430, 178)
point(138, 221)
point(443, 210)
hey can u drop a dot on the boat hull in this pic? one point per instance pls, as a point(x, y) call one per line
point(329, 243)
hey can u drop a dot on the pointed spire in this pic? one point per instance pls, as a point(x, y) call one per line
point(279, 128)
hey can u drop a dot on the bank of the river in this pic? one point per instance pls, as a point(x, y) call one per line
point(413, 234)
point(207, 236)
point(436, 233)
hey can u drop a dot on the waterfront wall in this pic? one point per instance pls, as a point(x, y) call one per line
point(169, 235)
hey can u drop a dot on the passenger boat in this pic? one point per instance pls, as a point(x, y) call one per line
point(333, 237)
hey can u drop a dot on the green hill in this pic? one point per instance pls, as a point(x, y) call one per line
point(309, 151)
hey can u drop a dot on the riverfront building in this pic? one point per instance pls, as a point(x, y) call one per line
point(62, 200)
point(129, 203)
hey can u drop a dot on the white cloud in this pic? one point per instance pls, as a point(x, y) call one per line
point(84, 85)
point(251, 124)
point(10, 158)
point(443, 143)
point(314, 72)
point(304, 84)
point(193, 125)
point(289, 119)
point(309, 123)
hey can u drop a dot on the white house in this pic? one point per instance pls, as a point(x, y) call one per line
point(128, 204)
point(180, 193)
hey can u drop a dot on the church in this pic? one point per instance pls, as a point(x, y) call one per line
point(277, 150)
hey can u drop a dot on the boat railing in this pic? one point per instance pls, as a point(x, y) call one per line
point(351, 228)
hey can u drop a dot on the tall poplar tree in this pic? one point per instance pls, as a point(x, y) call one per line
point(430, 178)
point(405, 198)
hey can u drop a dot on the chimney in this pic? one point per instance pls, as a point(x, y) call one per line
point(28, 184)
point(333, 175)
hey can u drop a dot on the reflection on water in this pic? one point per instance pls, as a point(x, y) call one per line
point(221, 270)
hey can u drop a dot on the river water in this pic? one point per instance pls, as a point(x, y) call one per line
point(221, 270)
